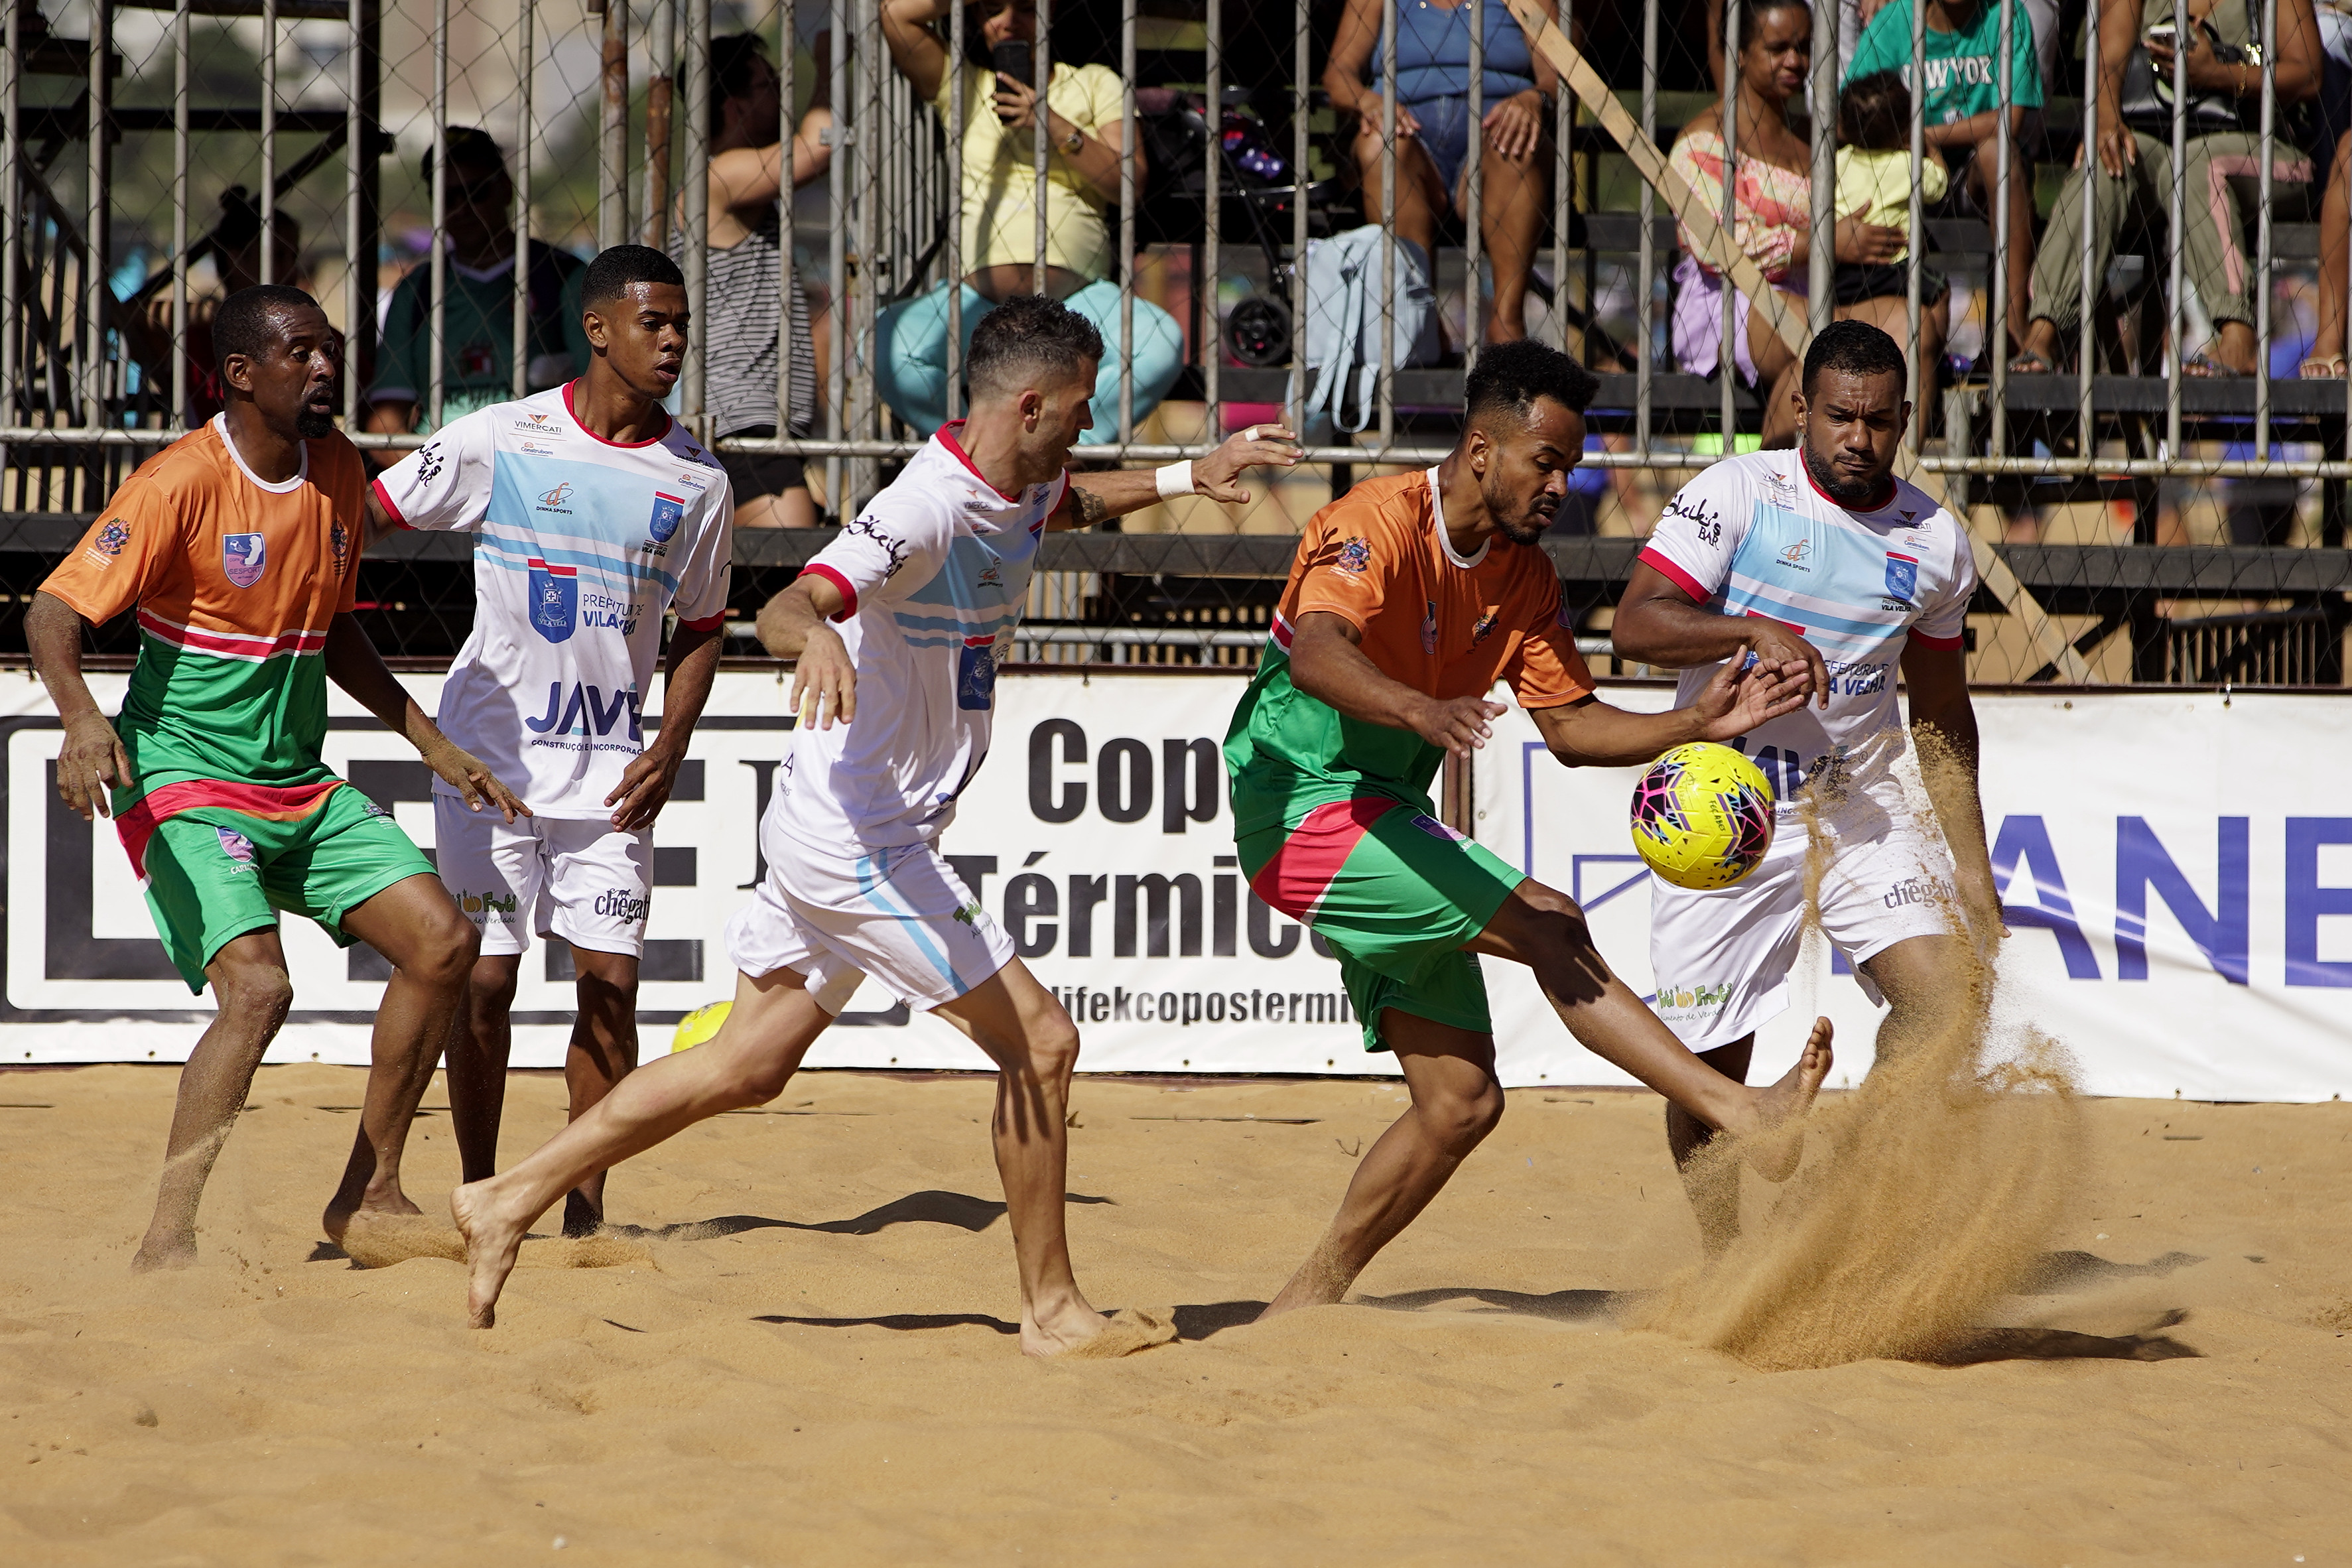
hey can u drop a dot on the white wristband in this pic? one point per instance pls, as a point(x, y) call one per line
point(1175, 479)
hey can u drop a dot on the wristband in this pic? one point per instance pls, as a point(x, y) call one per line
point(1175, 479)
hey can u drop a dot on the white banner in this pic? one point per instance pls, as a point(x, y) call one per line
point(2177, 924)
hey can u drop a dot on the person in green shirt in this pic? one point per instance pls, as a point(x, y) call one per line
point(1962, 103)
point(478, 322)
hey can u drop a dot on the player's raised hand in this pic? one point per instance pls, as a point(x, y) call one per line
point(472, 779)
point(91, 759)
point(1460, 725)
point(825, 680)
point(1745, 695)
point(1260, 446)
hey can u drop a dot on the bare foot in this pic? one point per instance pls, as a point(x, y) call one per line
point(581, 1219)
point(163, 1252)
point(1130, 1330)
point(339, 1210)
point(1056, 1330)
point(493, 1241)
point(1784, 1105)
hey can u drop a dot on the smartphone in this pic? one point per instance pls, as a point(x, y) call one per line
point(2162, 34)
point(1012, 58)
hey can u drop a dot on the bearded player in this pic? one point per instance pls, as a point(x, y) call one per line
point(1818, 553)
point(1408, 599)
point(597, 515)
point(237, 545)
point(897, 626)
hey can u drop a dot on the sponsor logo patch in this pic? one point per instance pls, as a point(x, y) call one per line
point(243, 557)
point(113, 537)
point(1355, 558)
point(1435, 828)
point(1486, 624)
point(487, 904)
point(237, 846)
point(553, 499)
point(623, 904)
point(1795, 553)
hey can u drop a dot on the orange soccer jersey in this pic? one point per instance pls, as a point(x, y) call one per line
point(1446, 625)
point(235, 583)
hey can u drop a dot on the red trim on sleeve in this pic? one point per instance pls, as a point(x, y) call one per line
point(1942, 645)
point(848, 592)
point(710, 623)
point(1655, 560)
point(383, 499)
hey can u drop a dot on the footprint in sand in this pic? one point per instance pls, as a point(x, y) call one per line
point(586, 1252)
point(1132, 1328)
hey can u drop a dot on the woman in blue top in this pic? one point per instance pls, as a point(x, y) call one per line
point(1434, 133)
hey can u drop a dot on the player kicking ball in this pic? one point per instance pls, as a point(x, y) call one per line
point(1409, 598)
point(1821, 554)
point(924, 587)
point(597, 515)
point(237, 545)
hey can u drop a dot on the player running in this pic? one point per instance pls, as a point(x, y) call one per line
point(1817, 553)
point(597, 516)
point(926, 586)
point(237, 546)
point(1410, 597)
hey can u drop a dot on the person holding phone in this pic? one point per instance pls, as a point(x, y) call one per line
point(998, 211)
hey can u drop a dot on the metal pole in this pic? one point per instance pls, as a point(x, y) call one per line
point(1997, 307)
point(95, 296)
point(2263, 257)
point(527, 63)
point(1387, 221)
point(1645, 313)
point(1820, 266)
point(613, 143)
point(180, 66)
point(437, 377)
point(661, 96)
point(1563, 141)
point(837, 379)
point(872, 147)
point(1213, 330)
point(696, 371)
point(1915, 374)
point(787, 286)
point(11, 219)
point(1474, 294)
point(1726, 367)
point(1041, 66)
point(2179, 230)
point(359, 321)
point(2092, 170)
point(959, 83)
point(1299, 178)
point(269, 140)
point(1127, 215)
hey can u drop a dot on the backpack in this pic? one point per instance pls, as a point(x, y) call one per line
point(1343, 323)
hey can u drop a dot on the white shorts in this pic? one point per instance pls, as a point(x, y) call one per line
point(1722, 958)
point(901, 915)
point(579, 880)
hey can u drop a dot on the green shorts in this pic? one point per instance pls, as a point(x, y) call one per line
point(214, 874)
point(1397, 894)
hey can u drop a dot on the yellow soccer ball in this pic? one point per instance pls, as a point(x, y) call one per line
point(699, 1024)
point(1702, 816)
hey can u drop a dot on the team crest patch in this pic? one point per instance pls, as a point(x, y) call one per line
point(555, 600)
point(112, 538)
point(339, 540)
point(1435, 828)
point(243, 557)
point(1429, 627)
point(668, 512)
point(1355, 558)
point(1901, 576)
point(236, 845)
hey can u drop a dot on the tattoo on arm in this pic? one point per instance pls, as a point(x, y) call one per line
point(1086, 507)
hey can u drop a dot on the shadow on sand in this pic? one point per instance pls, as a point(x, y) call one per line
point(905, 1322)
point(1560, 1306)
point(931, 1207)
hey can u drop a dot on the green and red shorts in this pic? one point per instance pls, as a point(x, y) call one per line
point(1397, 894)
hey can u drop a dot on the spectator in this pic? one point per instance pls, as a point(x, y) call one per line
point(1962, 109)
point(477, 321)
point(1772, 220)
point(236, 242)
point(2135, 171)
point(1873, 181)
point(1854, 16)
point(1433, 134)
point(2325, 360)
point(998, 218)
point(748, 233)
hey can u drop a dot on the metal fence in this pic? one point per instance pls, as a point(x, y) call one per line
point(2137, 521)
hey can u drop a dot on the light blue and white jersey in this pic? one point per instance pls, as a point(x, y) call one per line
point(1754, 535)
point(582, 545)
point(934, 574)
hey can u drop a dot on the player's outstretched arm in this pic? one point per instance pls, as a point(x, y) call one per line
point(1096, 497)
point(1589, 734)
point(92, 756)
point(646, 782)
point(1328, 663)
point(1936, 681)
point(795, 625)
point(1658, 624)
point(353, 664)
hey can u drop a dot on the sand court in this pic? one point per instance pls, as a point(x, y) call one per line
point(800, 1345)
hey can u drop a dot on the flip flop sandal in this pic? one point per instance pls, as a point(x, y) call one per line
point(2032, 362)
point(2205, 367)
point(2322, 367)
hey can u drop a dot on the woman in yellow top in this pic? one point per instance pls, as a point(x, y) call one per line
point(999, 215)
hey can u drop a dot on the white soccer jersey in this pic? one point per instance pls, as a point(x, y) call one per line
point(935, 571)
point(1754, 535)
point(583, 544)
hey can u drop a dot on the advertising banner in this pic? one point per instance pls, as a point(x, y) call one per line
point(2179, 925)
